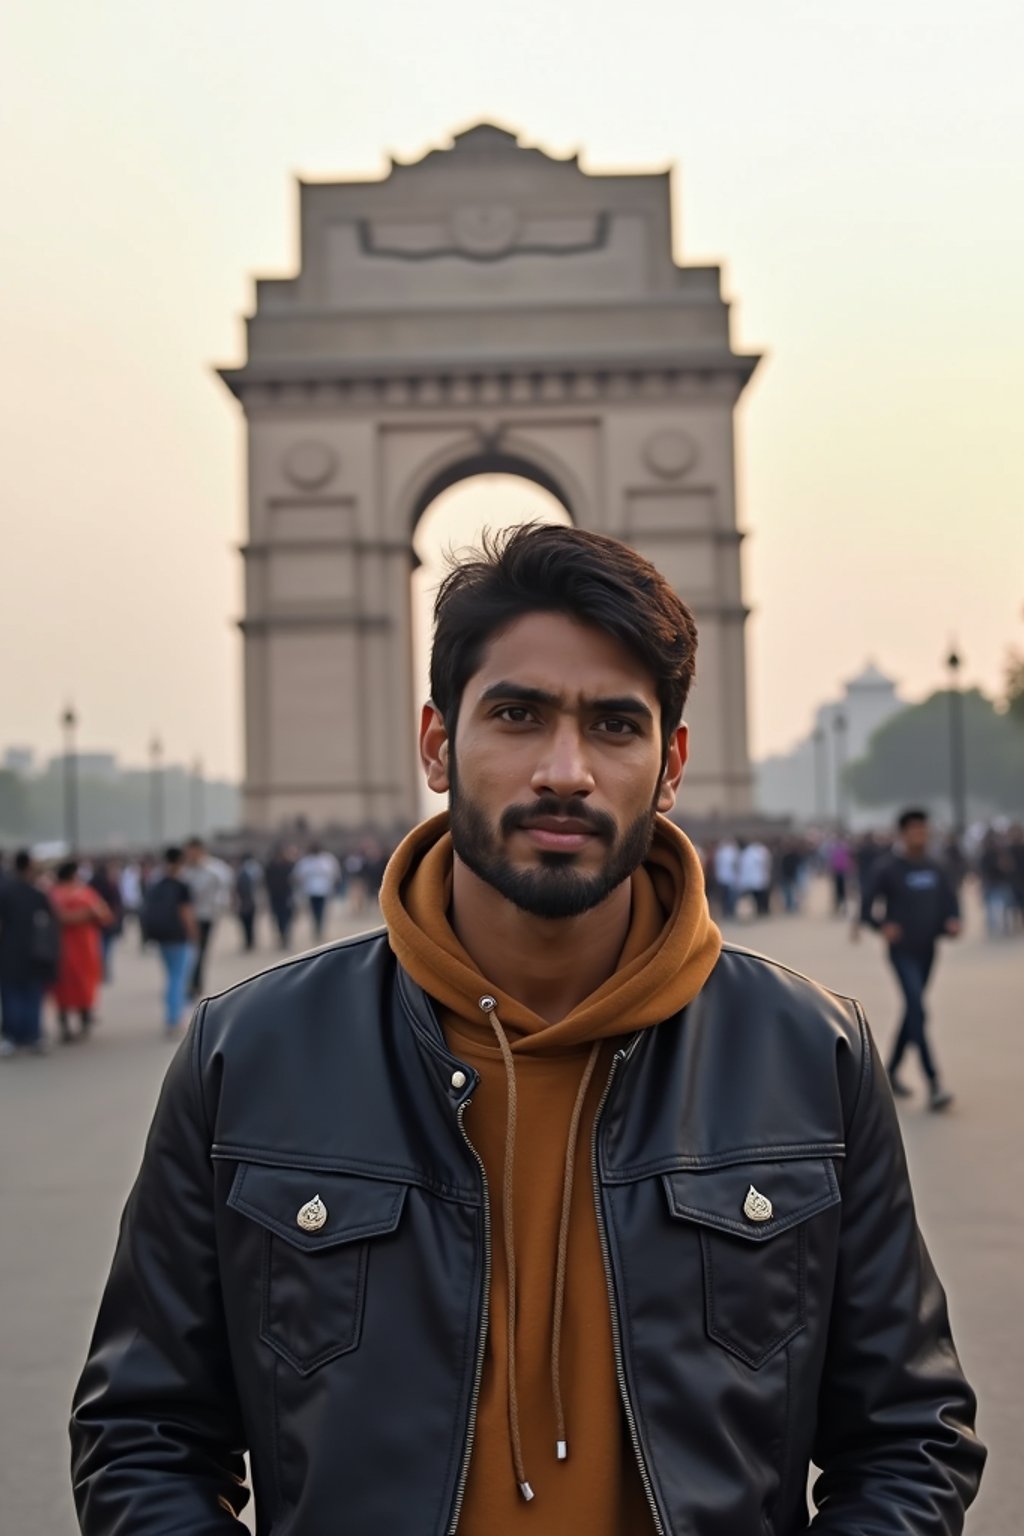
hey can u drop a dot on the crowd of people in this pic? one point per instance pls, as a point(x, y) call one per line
point(754, 877)
point(60, 926)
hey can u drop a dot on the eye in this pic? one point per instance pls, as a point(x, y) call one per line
point(514, 714)
point(615, 726)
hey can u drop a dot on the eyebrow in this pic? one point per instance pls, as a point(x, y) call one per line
point(620, 704)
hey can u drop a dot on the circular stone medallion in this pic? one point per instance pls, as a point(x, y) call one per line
point(670, 453)
point(310, 464)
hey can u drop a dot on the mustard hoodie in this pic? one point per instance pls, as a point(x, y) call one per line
point(552, 1453)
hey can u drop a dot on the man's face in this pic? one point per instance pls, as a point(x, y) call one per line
point(555, 776)
point(915, 838)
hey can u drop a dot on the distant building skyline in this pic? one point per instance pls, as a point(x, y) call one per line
point(804, 782)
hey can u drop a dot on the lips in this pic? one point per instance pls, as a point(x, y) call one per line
point(566, 824)
point(558, 834)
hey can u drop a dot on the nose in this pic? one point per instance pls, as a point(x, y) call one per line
point(563, 768)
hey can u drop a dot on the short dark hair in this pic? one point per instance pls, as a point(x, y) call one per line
point(22, 861)
point(912, 814)
point(538, 568)
point(67, 871)
point(172, 855)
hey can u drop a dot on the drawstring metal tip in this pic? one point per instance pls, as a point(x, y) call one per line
point(562, 1450)
point(526, 1491)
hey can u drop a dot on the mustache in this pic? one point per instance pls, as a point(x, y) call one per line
point(599, 823)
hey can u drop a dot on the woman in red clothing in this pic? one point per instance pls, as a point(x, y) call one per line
point(82, 914)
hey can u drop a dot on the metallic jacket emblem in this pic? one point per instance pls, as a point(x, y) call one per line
point(757, 1207)
point(312, 1215)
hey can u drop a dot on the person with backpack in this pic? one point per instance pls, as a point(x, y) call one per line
point(169, 922)
point(29, 957)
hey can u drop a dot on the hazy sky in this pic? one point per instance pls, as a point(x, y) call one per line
point(858, 170)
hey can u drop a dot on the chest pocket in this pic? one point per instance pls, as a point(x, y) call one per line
point(752, 1222)
point(314, 1272)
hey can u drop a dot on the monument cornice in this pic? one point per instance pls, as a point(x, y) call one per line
point(488, 381)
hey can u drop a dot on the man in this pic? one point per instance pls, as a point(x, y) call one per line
point(911, 902)
point(755, 875)
point(248, 880)
point(168, 920)
point(726, 869)
point(281, 892)
point(210, 882)
point(316, 875)
point(541, 1211)
point(29, 957)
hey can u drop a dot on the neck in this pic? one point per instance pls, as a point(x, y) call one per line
point(548, 965)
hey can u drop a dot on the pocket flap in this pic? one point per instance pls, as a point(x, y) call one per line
point(351, 1207)
point(716, 1197)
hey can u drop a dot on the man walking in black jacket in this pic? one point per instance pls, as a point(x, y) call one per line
point(912, 903)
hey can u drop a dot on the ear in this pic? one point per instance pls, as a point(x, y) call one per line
point(675, 764)
point(434, 750)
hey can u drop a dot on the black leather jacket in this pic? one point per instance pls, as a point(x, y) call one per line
point(346, 1358)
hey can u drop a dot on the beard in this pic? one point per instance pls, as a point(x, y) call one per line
point(555, 888)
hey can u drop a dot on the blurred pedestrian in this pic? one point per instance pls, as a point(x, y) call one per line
point(912, 903)
point(316, 875)
point(726, 867)
point(790, 869)
point(168, 920)
point(1015, 847)
point(278, 879)
point(82, 914)
point(755, 875)
point(840, 864)
point(29, 957)
point(248, 879)
point(995, 870)
point(105, 881)
point(210, 882)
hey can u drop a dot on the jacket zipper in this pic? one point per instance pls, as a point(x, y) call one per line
point(620, 1369)
point(460, 1491)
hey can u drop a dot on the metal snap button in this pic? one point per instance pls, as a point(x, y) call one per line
point(458, 1079)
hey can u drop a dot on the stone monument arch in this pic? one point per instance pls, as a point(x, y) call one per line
point(487, 308)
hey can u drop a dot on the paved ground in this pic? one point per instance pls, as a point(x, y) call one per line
point(72, 1127)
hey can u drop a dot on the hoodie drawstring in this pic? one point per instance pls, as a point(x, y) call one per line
point(488, 1005)
point(562, 1446)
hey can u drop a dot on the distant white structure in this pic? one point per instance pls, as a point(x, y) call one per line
point(804, 782)
point(101, 766)
point(20, 760)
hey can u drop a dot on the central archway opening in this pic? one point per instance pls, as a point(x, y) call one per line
point(454, 520)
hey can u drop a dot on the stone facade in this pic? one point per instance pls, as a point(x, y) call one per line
point(485, 309)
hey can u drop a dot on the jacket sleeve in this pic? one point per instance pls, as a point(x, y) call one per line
point(156, 1434)
point(895, 1438)
point(950, 901)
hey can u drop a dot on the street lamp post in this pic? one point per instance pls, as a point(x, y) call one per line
point(957, 753)
point(156, 792)
point(839, 726)
point(69, 721)
point(197, 807)
point(818, 738)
